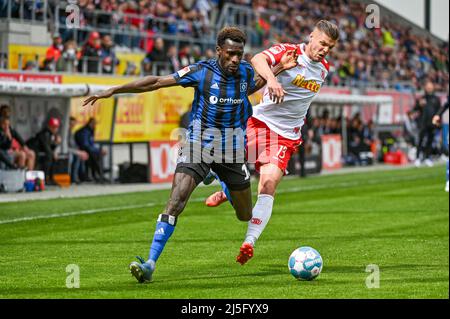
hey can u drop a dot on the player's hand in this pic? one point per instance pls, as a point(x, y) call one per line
point(289, 60)
point(102, 95)
point(436, 120)
point(276, 92)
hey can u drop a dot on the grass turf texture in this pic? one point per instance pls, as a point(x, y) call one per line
point(398, 220)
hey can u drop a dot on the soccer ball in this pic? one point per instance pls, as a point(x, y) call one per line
point(305, 263)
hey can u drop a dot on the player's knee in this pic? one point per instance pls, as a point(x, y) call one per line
point(176, 206)
point(244, 217)
point(268, 187)
point(21, 155)
point(31, 155)
point(175, 209)
point(244, 214)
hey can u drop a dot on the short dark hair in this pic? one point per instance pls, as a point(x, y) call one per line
point(329, 28)
point(5, 110)
point(233, 33)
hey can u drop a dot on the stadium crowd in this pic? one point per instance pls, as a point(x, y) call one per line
point(385, 57)
point(391, 54)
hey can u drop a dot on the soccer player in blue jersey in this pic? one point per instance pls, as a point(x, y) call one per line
point(216, 135)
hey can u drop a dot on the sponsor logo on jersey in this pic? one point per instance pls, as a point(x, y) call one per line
point(244, 87)
point(229, 100)
point(309, 85)
point(215, 86)
point(276, 49)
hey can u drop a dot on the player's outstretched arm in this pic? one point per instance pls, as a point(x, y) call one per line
point(146, 84)
point(288, 61)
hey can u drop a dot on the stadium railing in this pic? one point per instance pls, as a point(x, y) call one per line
point(33, 11)
point(252, 22)
point(124, 34)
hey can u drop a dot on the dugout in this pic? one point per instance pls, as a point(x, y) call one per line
point(34, 103)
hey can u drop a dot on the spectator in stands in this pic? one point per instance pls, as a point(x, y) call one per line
point(23, 156)
point(44, 144)
point(91, 54)
point(154, 62)
point(427, 107)
point(133, 21)
point(84, 138)
point(3, 8)
point(30, 66)
point(210, 54)
point(6, 158)
point(53, 54)
point(185, 56)
point(104, 20)
point(357, 142)
point(392, 56)
point(77, 156)
point(70, 56)
point(174, 62)
point(108, 55)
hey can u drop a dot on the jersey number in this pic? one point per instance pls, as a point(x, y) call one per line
point(246, 171)
point(282, 152)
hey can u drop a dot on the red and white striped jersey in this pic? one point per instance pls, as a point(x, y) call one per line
point(301, 84)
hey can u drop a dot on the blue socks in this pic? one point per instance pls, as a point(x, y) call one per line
point(164, 229)
point(225, 190)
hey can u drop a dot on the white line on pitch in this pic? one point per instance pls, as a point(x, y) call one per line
point(201, 199)
point(82, 212)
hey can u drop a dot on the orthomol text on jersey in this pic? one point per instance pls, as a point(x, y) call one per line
point(229, 100)
point(310, 85)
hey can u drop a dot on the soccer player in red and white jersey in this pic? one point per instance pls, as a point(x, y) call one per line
point(273, 133)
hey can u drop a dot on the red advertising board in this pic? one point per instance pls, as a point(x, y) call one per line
point(163, 161)
point(331, 151)
point(31, 77)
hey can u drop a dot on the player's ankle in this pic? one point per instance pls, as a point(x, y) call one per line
point(250, 240)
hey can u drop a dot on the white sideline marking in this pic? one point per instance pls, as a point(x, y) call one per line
point(82, 212)
point(201, 199)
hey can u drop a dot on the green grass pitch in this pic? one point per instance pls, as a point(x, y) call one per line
point(397, 219)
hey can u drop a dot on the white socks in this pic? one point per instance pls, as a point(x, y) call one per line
point(260, 217)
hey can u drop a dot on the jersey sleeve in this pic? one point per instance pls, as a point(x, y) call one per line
point(276, 52)
point(252, 83)
point(189, 76)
